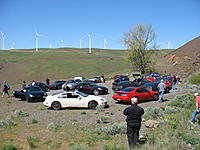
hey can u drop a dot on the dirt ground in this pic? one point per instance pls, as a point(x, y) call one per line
point(68, 117)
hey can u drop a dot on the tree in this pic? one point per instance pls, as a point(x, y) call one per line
point(138, 40)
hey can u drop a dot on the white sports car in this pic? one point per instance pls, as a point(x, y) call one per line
point(73, 99)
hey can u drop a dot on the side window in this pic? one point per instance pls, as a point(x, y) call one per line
point(84, 85)
point(141, 91)
point(72, 95)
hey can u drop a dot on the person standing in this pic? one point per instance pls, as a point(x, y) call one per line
point(134, 117)
point(102, 78)
point(23, 84)
point(174, 83)
point(6, 89)
point(161, 89)
point(33, 83)
point(197, 111)
point(47, 81)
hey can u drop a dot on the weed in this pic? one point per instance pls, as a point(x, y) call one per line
point(153, 113)
point(114, 129)
point(21, 113)
point(103, 120)
point(34, 121)
point(8, 122)
point(83, 113)
point(169, 110)
point(9, 147)
point(53, 126)
point(194, 79)
point(189, 139)
point(183, 101)
point(79, 147)
point(113, 147)
point(32, 142)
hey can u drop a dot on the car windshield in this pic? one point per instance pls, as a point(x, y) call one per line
point(71, 81)
point(82, 94)
point(128, 89)
point(31, 89)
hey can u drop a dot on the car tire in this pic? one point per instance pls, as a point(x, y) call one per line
point(95, 92)
point(28, 99)
point(92, 105)
point(155, 97)
point(56, 105)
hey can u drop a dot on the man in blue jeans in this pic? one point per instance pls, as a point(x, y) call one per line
point(161, 89)
point(197, 111)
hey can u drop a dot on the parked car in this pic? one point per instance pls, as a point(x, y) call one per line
point(123, 84)
point(89, 88)
point(151, 79)
point(56, 85)
point(151, 86)
point(168, 83)
point(70, 84)
point(30, 93)
point(121, 78)
point(140, 93)
point(74, 99)
point(43, 86)
point(95, 79)
point(155, 74)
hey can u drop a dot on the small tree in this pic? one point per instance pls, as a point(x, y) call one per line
point(138, 40)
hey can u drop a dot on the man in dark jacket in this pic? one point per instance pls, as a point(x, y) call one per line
point(134, 114)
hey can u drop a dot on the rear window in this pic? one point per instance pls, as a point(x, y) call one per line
point(128, 89)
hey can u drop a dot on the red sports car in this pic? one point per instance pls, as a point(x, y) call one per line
point(139, 92)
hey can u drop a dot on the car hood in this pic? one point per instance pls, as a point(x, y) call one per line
point(102, 87)
point(37, 92)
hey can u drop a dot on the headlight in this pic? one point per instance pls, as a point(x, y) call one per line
point(99, 88)
point(31, 95)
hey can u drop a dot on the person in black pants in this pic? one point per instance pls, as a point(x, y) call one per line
point(134, 114)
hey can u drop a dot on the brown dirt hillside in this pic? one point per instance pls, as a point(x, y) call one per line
point(185, 60)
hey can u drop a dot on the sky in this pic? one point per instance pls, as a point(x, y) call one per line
point(174, 21)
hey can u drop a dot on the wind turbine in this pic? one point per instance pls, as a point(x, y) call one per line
point(169, 45)
point(90, 43)
point(62, 43)
point(105, 43)
point(80, 43)
point(50, 45)
point(37, 35)
point(13, 45)
point(3, 37)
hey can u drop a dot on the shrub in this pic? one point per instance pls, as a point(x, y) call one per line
point(169, 110)
point(32, 142)
point(113, 147)
point(9, 147)
point(189, 139)
point(21, 113)
point(153, 113)
point(79, 147)
point(53, 126)
point(114, 129)
point(83, 113)
point(183, 101)
point(7, 122)
point(103, 120)
point(34, 121)
point(194, 79)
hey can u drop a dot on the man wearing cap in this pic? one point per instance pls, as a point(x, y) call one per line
point(134, 114)
point(197, 108)
point(161, 89)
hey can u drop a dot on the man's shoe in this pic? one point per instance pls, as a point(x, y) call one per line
point(191, 122)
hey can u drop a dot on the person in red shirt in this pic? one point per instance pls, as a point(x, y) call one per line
point(197, 111)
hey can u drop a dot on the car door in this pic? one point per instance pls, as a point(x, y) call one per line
point(84, 88)
point(143, 94)
point(74, 100)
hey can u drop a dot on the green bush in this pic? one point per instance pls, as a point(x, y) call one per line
point(183, 101)
point(169, 109)
point(153, 113)
point(32, 142)
point(83, 113)
point(113, 147)
point(114, 129)
point(194, 79)
point(34, 121)
point(189, 140)
point(21, 113)
point(9, 147)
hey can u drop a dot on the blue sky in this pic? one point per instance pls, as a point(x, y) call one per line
point(177, 21)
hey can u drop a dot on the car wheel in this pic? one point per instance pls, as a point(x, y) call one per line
point(56, 105)
point(155, 97)
point(28, 99)
point(96, 92)
point(92, 104)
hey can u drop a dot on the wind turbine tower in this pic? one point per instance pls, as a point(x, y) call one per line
point(80, 43)
point(37, 35)
point(62, 43)
point(13, 45)
point(105, 43)
point(50, 45)
point(90, 43)
point(169, 45)
point(3, 37)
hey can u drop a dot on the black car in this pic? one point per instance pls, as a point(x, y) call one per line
point(95, 79)
point(89, 88)
point(121, 78)
point(56, 85)
point(123, 84)
point(43, 86)
point(151, 86)
point(30, 93)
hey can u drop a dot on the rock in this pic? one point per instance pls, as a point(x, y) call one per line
point(151, 123)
